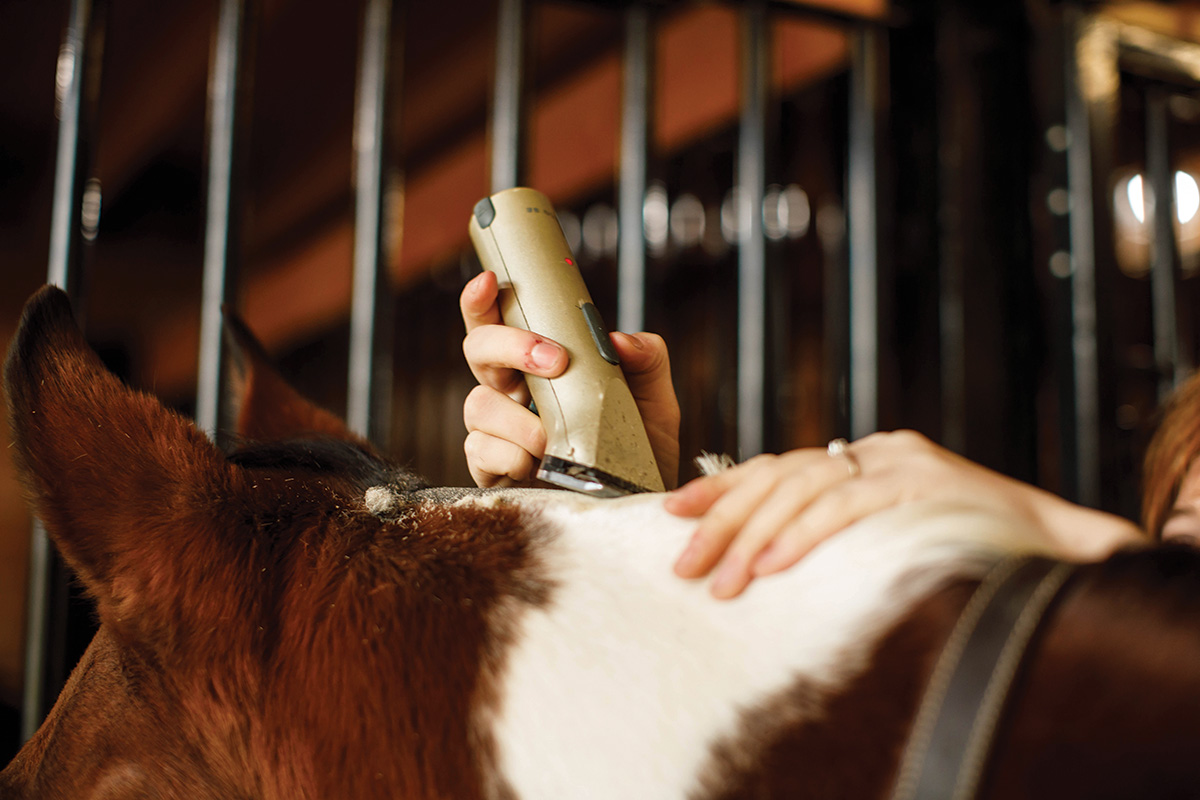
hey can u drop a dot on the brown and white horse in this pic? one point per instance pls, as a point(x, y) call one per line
point(301, 619)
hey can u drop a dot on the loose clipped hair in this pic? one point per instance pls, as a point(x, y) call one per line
point(1172, 450)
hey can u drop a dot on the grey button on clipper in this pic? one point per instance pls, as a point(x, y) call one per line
point(485, 212)
point(599, 334)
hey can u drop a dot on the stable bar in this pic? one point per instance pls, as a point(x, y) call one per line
point(1159, 197)
point(1088, 117)
point(635, 133)
point(752, 261)
point(368, 396)
point(228, 121)
point(77, 87)
point(863, 233)
point(506, 96)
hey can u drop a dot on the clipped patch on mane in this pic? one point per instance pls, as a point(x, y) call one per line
point(381, 500)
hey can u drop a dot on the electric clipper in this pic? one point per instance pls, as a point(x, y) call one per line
point(595, 440)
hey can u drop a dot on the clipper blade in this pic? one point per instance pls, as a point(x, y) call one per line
point(585, 479)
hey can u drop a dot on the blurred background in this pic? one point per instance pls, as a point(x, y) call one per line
point(849, 215)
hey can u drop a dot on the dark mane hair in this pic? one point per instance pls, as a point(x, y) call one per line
point(324, 455)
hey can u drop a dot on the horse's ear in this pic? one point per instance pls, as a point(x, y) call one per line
point(269, 409)
point(120, 481)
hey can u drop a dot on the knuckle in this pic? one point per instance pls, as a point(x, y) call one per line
point(653, 340)
point(911, 439)
point(762, 462)
point(536, 437)
point(479, 399)
point(470, 342)
point(718, 525)
point(473, 446)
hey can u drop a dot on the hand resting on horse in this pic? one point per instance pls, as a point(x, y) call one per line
point(505, 440)
point(764, 515)
point(761, 516)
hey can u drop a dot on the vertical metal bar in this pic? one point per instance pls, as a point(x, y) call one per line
point(77, 83)
point(954, 90)
point(368, 403)
point(1160, 208)
point(752, 263)
point(1083, 288)
point(1090, 98)
point(506, 98)
point(863, 235)
point(228, 94)
point(69, 166)
point(635, 134)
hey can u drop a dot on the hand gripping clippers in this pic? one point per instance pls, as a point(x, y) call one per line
point(595, 440)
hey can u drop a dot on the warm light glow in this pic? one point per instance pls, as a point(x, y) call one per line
point(1187, 197)
point(1137, 200)
point(1132, 234)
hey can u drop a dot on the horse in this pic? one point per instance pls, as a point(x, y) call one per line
point(296, 616)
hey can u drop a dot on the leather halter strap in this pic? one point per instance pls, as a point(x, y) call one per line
point(956, 723)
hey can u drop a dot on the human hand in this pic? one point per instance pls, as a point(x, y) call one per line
point(764, 515)
point(505, 440)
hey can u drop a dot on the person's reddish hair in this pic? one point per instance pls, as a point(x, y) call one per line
point(1171, 452)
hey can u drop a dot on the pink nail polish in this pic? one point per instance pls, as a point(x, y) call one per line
point(544, 355)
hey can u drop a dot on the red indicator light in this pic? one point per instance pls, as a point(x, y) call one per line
point(569, 261)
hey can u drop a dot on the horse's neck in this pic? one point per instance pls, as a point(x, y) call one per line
point(1112, 692)
point(628, 660)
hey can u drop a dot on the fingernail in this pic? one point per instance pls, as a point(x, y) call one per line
point(729, 579)
point(771, 559)
point(635, 341)
point(544, 355)
point(685, 565)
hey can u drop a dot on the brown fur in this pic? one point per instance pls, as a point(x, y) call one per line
point(263, 635)
point(852, 747)
point(1110, 708)
point(1106, 706)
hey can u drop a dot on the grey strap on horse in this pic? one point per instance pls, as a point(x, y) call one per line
point(956, 723)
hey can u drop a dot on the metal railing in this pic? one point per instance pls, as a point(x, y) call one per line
point(230, 96)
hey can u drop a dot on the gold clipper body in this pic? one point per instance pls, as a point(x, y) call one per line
point(595, 440)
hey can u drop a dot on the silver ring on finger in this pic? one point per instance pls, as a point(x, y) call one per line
point(840, 449)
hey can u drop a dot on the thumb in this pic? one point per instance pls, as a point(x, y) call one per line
point(645, 363)
point(647, 369)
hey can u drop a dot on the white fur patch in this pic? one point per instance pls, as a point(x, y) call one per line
point(618, 686)
point(712, 463)
point(381, 500)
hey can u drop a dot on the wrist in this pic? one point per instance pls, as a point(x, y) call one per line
point(1087, 533)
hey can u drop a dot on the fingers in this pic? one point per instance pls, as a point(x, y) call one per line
point(505, 440)
point(647, 369)
point(727, 515)
point(478, 301)
point(497, 462)
point(764, 515)
point(836, 508)
point(498, 354)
